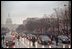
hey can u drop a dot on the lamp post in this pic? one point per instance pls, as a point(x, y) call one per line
point(57, 19)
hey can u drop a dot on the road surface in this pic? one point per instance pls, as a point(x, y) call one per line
point(25, 43)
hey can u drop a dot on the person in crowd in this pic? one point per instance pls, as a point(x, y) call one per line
point(56, 38)
point(33, 40)
point(18, 37)
point(3, 39)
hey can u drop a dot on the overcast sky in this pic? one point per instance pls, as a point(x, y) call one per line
point(20, 10)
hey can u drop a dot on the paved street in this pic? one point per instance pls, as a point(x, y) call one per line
point(25, 43)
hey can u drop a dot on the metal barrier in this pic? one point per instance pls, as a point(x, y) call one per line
point(28, 44)
point(64, 46)
point(49, 46)
point(31, 44)
point(36, 44)
point(43, 46)
point(69, 46)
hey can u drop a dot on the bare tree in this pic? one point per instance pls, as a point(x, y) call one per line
point(63, 18)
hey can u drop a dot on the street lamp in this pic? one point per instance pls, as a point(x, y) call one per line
point(57, 18)
point(66, 18)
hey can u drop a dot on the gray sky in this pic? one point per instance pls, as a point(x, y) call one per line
point(20, 10)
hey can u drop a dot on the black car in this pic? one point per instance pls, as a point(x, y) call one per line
point(44, 40)
point(63, 39)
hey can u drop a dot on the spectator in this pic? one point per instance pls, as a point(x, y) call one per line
point(56, 38)
point(33, 40)
point(51, 37)
point(7, 45)
point(18, 37)
point(3, 38)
